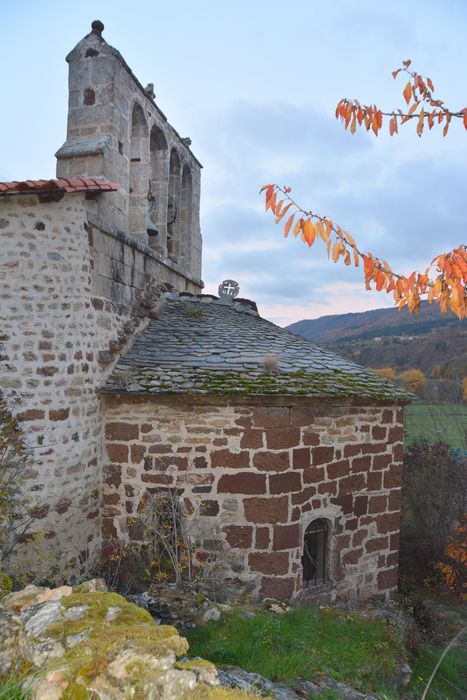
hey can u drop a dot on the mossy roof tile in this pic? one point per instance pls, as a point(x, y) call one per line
point(202, 345)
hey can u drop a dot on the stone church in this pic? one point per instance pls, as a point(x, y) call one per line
point(126, 379)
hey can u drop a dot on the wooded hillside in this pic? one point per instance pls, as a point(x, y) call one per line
point(392, 338)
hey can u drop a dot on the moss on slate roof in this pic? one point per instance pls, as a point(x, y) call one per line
point(199, 345)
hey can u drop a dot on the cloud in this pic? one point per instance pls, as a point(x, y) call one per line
point(402, 204)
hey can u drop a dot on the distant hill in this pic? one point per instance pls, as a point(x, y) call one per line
point(392, 338)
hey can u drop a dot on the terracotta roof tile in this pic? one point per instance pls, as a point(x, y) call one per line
point(63, 184)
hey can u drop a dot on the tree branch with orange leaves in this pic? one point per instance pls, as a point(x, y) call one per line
point(424, 108)
point(444, 281)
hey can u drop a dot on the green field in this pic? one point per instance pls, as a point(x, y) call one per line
point(437, 421)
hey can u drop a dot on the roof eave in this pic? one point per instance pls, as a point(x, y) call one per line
point(254, 399)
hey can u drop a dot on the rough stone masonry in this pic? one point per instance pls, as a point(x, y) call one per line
point(256, 476)
point(126, 380)
point(79, 277)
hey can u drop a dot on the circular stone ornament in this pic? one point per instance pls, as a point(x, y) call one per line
point(228, 289)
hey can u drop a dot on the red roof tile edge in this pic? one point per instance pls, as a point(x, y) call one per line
point(62, 184)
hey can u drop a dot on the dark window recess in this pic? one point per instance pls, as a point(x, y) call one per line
point(315, 553)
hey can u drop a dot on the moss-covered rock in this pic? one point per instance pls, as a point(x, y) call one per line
point(91, 643)
point(174, 606)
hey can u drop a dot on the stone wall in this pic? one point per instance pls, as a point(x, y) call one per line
point(255, 476)
point(71, 296)
point(127, 272)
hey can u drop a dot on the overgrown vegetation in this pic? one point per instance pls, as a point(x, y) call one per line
point(16, 513)
point(19, 513)
point(172, 545)
point(162, 548)
point(306, 642)
point(433, 505)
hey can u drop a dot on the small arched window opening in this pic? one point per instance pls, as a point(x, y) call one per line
point(173, 207)
point(138, 181)
point(158, 189)
point(315, 553)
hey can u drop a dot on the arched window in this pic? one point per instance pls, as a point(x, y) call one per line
point(158, 190)
point(315, 553)
point(173, 207)
point(186, 216)
point(138, 185)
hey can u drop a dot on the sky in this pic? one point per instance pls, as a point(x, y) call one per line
point(255, 84)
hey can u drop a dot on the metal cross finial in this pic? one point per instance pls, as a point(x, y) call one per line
point(228, 289)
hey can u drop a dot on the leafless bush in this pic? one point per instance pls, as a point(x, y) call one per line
point(174, 550)
point(163, 548)
point(122, 565)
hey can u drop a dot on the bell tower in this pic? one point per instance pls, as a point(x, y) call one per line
point(116, 131)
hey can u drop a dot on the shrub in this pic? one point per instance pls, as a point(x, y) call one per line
point(454, 563)
point(385, 372)
point(413, 379)
point(163, 547)
point(433, 499)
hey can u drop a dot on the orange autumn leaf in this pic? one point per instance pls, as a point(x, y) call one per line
point(336, 252)
point(297, 227)
point(309, 232)
point(283, 212)
point(446, 289)
point(420, 124)
point(278, 207)
point(408, 92)
point(271, 202)
point(288, 225)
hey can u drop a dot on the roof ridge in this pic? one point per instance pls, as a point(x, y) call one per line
point(241, 305)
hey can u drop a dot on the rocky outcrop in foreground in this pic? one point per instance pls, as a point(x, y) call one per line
point(77, 643)
point(84, 642)
point(234, 677)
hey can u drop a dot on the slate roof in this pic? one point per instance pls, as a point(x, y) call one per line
point(200, 344)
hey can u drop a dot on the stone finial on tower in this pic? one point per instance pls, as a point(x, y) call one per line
point(97, 27)
point(149, 90)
